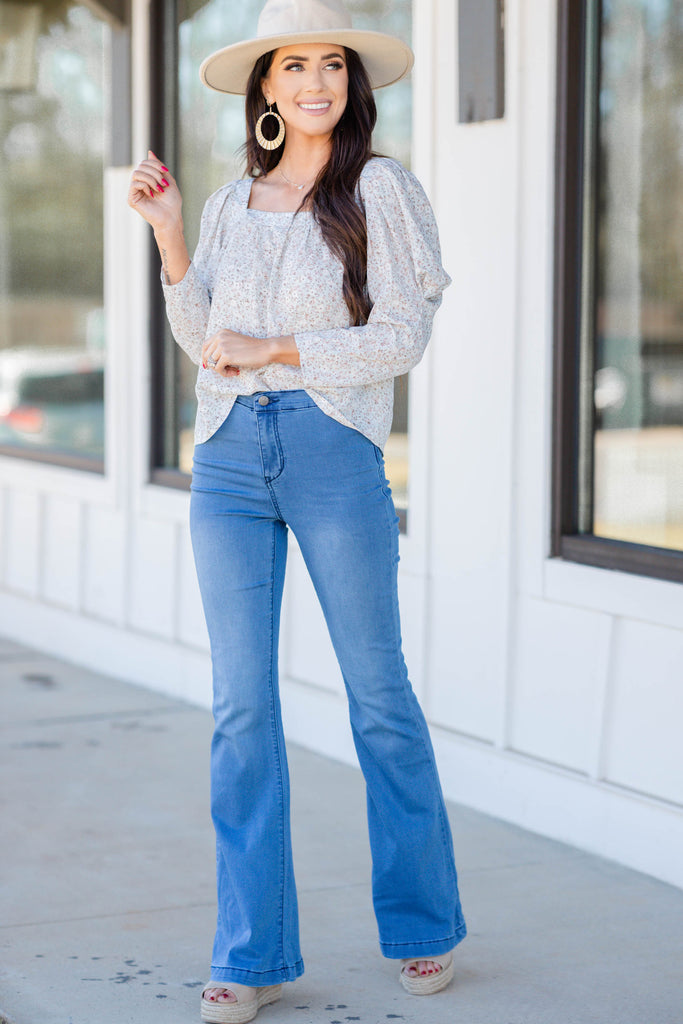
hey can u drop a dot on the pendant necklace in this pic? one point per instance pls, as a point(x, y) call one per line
point(293, 183)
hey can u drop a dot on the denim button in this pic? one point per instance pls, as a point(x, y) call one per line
point(263, 400)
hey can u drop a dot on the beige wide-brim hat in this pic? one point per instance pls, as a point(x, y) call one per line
point(283, 22)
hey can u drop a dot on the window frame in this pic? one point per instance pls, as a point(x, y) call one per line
point(576, 156)
point(163, 91)
point(118, 14)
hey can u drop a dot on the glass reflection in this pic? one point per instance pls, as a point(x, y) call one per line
point(54, 120)
point(638, 395)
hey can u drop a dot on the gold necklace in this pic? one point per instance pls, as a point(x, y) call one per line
point(293, 183)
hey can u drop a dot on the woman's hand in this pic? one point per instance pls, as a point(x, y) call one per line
point(155, 195)
point(226, 351)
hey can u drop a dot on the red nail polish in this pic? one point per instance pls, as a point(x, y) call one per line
point(165, 182)
point(165, 169)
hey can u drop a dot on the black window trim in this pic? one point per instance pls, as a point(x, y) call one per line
point(163, 64)
point(575, 33)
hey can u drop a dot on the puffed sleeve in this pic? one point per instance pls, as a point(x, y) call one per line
point(188, 302)
point(405, 285)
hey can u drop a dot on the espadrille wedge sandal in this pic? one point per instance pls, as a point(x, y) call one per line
point(249, 1002)
point(427, 984)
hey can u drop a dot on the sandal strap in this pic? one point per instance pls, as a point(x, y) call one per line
point(442, 959)
point(238, 990)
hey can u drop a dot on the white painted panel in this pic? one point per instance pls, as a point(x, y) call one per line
point(558, 683)
point(134, 657)
point(45, 478)
point(411, 596)
point(191, 624)
point(3, 533)
point(624, 826)
point(534, 263)
point(23, 543)
point(166, 503)
point(63, 547)
point(309, 653)
point(104, 587)
point(317, 719)
point(470, 565)
point(619, 593)
point(472, 403)
point(644, 748)
point(153, 577)
point(466, 638)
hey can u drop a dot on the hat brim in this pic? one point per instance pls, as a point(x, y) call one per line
point(385, 58)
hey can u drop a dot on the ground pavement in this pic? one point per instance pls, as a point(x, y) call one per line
point(107, 905)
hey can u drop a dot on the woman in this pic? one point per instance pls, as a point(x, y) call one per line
point(314, 284)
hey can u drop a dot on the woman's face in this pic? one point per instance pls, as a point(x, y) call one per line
point(309, 82)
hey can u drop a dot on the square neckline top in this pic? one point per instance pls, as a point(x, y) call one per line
point(250, 209)
point(270, 273)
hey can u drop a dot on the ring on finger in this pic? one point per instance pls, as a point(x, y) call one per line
point(210, 361)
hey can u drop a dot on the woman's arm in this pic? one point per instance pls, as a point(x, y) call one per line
point(174, 255)
point(155, 195)
point(226, 351)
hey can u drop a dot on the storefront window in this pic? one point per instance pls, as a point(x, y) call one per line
point(210, 132)
point(631, 419)
point(54, 130)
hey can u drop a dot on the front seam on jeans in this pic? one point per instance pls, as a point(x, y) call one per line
point(281, 454)
point(266, 481)
point(269, 481)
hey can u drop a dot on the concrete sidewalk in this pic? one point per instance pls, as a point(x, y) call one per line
point(108, 903)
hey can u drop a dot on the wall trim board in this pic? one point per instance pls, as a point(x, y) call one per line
point(165, 666)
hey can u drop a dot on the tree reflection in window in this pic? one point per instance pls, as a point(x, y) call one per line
point(54, 125)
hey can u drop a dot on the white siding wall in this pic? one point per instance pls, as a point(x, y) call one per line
point(553, 690)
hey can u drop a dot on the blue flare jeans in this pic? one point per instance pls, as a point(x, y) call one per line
point(276, 463)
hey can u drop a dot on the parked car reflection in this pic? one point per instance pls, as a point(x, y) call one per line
point(53, 399)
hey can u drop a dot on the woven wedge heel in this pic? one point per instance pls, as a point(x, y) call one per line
point(427, 984)
point(249, 1002)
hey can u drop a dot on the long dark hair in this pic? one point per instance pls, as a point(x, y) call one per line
point(332, 196)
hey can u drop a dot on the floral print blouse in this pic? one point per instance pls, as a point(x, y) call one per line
point(268, 274)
